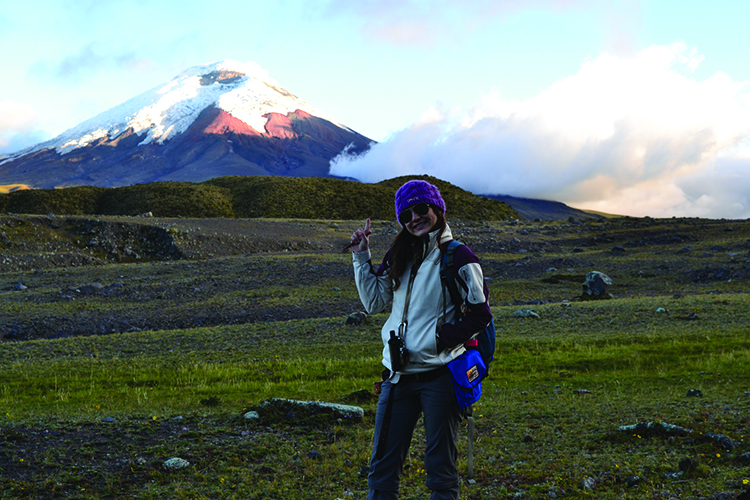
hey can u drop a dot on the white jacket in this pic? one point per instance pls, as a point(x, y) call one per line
point(425, 314)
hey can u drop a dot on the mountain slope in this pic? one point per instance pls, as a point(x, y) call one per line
point(226, 118)
point(532, 209)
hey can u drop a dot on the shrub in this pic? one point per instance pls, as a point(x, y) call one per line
point(249, 197)
point(167, 199)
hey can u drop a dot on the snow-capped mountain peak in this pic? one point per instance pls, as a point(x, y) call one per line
point(243, 90)
point(225, 118)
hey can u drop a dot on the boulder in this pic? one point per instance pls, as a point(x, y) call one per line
point(308, 412)
point(596, 286)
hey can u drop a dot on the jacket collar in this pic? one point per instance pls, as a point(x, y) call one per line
point(447, 235)
point(431, 242)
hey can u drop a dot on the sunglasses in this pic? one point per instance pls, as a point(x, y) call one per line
point(406, 216)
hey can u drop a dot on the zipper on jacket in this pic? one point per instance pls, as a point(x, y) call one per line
point(407, 300)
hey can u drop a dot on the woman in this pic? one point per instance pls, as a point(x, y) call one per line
point(431, 331)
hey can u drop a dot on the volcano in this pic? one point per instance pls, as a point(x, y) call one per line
point(226, 118)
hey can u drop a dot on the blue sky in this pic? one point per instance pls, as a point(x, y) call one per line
point(637, 107)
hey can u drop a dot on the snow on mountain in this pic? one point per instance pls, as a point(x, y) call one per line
point(221, 119)
point(243, 90)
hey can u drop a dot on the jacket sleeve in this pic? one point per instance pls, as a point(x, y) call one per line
point(374, 286)
point(475, 293)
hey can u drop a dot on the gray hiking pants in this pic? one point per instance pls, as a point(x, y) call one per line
point(434, 398)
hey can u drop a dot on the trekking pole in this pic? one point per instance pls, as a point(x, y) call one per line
point(470, 451)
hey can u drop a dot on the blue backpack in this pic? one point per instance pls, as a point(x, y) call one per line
point(486, 338)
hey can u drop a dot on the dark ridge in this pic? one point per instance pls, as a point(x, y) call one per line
point(248, 197)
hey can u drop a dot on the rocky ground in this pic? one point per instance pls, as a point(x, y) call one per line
point(65, 276)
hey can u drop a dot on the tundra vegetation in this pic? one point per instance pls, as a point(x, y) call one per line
point(128, 342)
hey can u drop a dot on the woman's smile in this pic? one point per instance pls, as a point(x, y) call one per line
point(422, 224)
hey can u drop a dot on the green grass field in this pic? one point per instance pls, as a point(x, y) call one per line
point(560, 388)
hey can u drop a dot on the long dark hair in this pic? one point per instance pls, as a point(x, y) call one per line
point(408, 249)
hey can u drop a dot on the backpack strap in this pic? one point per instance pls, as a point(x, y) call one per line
point(447, 271)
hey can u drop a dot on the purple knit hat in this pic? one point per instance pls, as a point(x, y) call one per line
point(416, 192)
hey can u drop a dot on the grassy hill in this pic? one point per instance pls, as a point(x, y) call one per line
point(247, 197)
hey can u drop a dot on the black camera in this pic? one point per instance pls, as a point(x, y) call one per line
point(399, 353)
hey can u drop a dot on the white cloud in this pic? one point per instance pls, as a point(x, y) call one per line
point(16, 122)
point(15, 115)
point(634, 135)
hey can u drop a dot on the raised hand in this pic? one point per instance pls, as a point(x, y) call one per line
point(360, 239)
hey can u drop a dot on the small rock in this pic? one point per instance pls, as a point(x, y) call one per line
point(725, 496)
point(252, 415)
point(313, 454)
point(20, 286)
point(581, 391)
point(722, 440)
point(618, 250)
point(108, 419)
point(694, 393)
point(357, 319)
point(175, 463)
point(632, 481)
point(692, 316)
point(661, 310)
point(526, 313)
point(588, 483)
point(655, 429)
